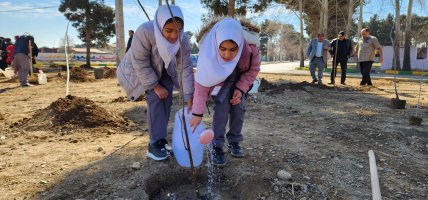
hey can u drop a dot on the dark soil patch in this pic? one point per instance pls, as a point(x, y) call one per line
point(265, 85)
point(33, 79)
point(277, 89)
point(71, 112)
point(78, 75)
point(1, 117)
point(120, 99)
point(11, 80)
point(109, 73)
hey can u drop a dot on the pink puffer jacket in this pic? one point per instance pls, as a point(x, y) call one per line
point(201, 92)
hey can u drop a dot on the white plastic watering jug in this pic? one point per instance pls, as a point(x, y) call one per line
point(179, 144)
point(42, 79)
point(256, 85)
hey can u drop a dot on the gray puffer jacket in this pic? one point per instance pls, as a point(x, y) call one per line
point(141, 67)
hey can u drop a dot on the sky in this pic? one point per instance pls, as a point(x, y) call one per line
point(43, 20)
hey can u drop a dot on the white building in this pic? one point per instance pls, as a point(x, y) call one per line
point(416, 64)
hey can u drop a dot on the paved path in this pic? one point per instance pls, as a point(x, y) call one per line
point(290, 68)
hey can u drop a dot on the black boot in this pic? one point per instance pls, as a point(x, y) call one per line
point(235, 150)
point(219, 159)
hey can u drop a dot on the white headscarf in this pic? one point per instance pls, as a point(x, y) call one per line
point(167, 51)
point(211, 68)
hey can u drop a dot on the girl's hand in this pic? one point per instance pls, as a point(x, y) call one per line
point(189, 105)
point(161, 92)
point(236, 98)
point(194, 122)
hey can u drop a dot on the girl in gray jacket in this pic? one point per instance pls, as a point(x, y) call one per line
point(151, 66)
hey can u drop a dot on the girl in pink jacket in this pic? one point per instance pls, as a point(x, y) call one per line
point(226, 68)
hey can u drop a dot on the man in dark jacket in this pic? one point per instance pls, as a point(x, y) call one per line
point(3, 53)
point(131, 34)
point(340, 50)
point(21, 62)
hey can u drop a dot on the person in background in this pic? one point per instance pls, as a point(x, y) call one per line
point(3, 53)
point(340, 55)
point(131, 34)
point(317, 54)
point(21, 59)
point(9, 50)
point(365, 52)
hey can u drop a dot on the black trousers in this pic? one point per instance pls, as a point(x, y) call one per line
point(343, 67)
point(365, 72)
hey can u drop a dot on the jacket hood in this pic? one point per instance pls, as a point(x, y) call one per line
point(246, 23)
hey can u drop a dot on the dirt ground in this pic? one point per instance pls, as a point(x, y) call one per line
point(54, 147)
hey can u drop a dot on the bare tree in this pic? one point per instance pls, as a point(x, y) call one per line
point(70, 41)
point(302, 55)
point(360, 20)
point(323, 21)
point(396, 42)
point(326, 15)
point(407, 36)
point(350, 14)
point(231, 10)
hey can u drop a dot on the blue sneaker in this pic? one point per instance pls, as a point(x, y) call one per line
point(157, 150)
point(235, 150)
point(219, 159)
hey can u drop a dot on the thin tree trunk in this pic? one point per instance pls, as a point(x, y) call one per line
point(350, 14)
point(302, 55)
point(326, 15)
point(397, 36)
point(120, 37)
point(88, 35)
point(360, 20)
point(321, 20)
point(231, 11)
point(406, 62)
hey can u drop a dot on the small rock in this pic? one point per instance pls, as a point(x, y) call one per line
point(100, 149)
point(304, 198)
point(323, 157)
point(382, 160)
point(44, 182)
point(136, 165)
point(284, 175)
point(2, 137)
point(110, 131)
point(117, 146)
point(359, 166)
point(276, 189)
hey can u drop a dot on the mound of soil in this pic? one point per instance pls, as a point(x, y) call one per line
point(109, 73)
point(120, 100)
point(277, 89)
point(33, 79)
point(11, 80)
point(78, 75)
point(265, 85)
point(71, 112)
